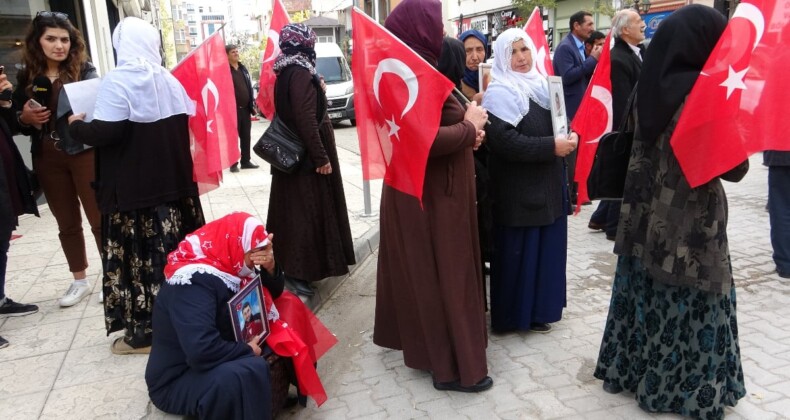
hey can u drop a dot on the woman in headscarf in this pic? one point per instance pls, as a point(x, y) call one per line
point(197, 367)
point(451, 64)
point(671, 336)
point(476, 50)
point(529, 191)
point(143, 182)
point(429, 294)
point(307, 208)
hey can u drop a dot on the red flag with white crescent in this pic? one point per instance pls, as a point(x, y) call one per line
point(534, 28)
point(205, 75)
point(398, 98)
point(265, 99)
point(593, 119)
point(736, 108)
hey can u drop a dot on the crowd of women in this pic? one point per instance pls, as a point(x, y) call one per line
point(671, 334)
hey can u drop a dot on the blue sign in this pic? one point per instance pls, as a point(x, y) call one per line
point(652, 20)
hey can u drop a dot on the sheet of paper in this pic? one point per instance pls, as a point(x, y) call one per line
point(82, 96)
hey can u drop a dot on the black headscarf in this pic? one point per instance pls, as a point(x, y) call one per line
point(452, 60)
point(418, 23)
point(673, 61)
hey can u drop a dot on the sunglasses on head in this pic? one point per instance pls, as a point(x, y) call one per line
point(56, 15)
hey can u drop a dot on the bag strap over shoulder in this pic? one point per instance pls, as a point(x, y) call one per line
point(627, 112)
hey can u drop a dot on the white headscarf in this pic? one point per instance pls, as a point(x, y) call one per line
point(509, 93)
point(139, 89)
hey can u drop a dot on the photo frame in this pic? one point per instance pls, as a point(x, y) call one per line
point(559, 116)
point(484, 76)
point(248, 313)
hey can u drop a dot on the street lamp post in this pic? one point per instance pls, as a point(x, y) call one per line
point(641, 6)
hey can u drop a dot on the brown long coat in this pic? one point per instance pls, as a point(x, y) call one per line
point(307, 211)
point(429, 297)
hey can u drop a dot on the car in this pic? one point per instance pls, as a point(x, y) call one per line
point(331, 64)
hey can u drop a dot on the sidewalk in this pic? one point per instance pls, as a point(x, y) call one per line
point(59, 363)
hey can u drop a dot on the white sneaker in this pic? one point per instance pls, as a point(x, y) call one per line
point(75, 294)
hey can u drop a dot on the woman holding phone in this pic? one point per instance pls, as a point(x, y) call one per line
point(54, 55)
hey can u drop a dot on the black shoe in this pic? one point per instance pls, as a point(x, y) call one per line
point(234, 168)
point(249, 165)
point(596, 226)
point(300, 287)
point(540, 327)
point(783, 274)
point(11, 308)
point(3, 343)
point(612, 388)
point(611, 237)
point(484, 384)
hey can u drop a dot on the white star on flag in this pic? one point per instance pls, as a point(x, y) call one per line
point(734, 80)
point(394, 128)
point(206, 245)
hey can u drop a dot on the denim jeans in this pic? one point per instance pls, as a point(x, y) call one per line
point(779, 211)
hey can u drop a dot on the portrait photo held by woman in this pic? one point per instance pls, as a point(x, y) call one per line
point(307, 208)
point(144, 187)
point(54, 54)
point(429, 287)
point(671, 336)
point(529, 192)
point(196, 366)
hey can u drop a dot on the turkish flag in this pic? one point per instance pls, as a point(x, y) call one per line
point(398, 98)
point(205, 75)
point(534, 28)
point(737, 106)
point(265, 99)
point(593, 119)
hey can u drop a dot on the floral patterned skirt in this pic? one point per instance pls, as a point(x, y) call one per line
point(676, 348)
point(134, 255)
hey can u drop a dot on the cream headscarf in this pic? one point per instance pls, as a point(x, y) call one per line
point(509, 93)
point(139, 89)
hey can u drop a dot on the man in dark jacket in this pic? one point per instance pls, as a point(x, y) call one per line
point(16, 198)
point(778, 164)
point(576, 67)
point(242, 86)
point(628, 30)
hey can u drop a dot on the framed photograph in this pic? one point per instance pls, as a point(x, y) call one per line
point(559, 118)
point(248, 314)
point(484, 75)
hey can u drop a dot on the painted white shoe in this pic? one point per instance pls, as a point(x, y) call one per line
point(75, 294)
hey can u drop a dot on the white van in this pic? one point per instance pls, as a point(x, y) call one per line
point(331, 64)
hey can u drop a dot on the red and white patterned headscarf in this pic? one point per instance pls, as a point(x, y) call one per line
point(218, 248)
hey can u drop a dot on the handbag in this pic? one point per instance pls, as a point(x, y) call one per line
point(610, 165)
point(280, 147)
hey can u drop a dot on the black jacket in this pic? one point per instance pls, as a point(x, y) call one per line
point(526, 178)
point(67, 144)
point(626, 67)
point(139, 165)
point(8, 218)
point(248, 82)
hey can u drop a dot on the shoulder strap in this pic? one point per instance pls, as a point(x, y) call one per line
point(627, 110)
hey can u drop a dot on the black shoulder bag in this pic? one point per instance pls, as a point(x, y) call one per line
point(607, 176)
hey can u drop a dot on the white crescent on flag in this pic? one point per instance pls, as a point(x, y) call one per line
point(209, 87)
point(604, 96)
point(274, 38)
point(399, 68)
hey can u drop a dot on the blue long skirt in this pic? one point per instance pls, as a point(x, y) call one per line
point(528, 275)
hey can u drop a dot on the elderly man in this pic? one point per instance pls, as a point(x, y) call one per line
point(576, 67)
point(628, 30)
point(242, 86)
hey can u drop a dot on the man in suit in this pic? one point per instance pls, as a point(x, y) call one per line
point(628, 30)
point(575, 66)
point(242, 87)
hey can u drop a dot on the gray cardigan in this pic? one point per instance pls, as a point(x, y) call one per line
point(526, 177)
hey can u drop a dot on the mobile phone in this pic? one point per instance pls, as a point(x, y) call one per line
point(34, 104)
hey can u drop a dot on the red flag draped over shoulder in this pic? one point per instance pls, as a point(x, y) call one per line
point(736, 107)
point(534, 28)
point(398, 98)
point(205, 75)
point(593, 119)
point(265, 99)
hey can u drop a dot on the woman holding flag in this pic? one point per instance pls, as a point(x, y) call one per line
point(671, 336)
point(528, 189)
point(144, 185)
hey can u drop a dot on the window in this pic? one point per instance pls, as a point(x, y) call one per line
point(181, 36)
point(330, 38)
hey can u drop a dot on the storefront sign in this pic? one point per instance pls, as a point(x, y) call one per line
point(480, 24)
point(652, 21)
